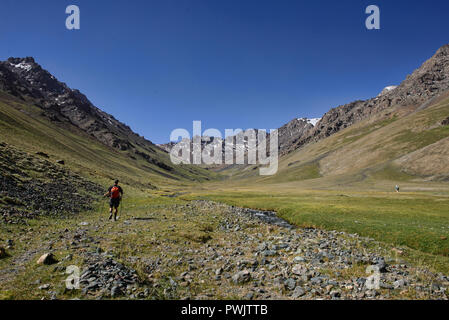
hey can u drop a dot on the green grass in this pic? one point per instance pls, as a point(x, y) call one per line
point(362, 131)
point(164, 234)
point(424, 138)
point(306, 171)
point(417, 221)
point(390, 172)
point(23, 126)
point(409, 221)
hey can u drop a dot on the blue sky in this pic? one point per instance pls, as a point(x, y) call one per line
point(158, 65)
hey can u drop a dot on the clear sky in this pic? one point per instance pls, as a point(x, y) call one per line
point(158, 65)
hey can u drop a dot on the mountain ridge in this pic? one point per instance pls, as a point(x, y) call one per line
point(417, 91)
point(425, 83)
point(64, 107)
point(25, 79)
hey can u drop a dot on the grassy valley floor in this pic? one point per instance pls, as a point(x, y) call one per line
point(168, 245)
point(415, 220)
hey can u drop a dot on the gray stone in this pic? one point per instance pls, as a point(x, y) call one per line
point(219, 271)
point(269, 253)
point(44, 287)
point(298, 292)
point(335, 294)
point(316, 280)
point(290, 284)
point(298, 259)
point(298, 270)
point(382, 265)
point(116, 291)
point(385, 285)
point(249, 295)
point(241, 277)
point(399, 284)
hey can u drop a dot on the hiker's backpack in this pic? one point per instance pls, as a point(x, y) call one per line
point(115, 192)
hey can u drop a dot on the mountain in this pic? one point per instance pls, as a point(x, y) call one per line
point(288, 135)
point(401, 135)
point(291, 132)
point(24, 78)
point(417, 91)
point(424, 89)
point(38, 95)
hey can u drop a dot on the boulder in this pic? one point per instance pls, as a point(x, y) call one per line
point(298, 269)
point(445, 122)
point(42, 154)
point(47, 259)
point(381, 264)
point(298, 292)
point(241, 277)
point(290, 284)
point(116, 291)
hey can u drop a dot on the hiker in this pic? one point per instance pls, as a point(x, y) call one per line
point(396, 188)
point(115, 194)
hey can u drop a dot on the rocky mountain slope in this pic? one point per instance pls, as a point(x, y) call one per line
point(24, 78)
point(417, 91)
point(401, 134)
point(32, 186)
point(287, 135)
point(293, 131)
point(69, 109)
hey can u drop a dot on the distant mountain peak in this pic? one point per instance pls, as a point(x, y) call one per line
point(23, 65)
point(19, 60)
point(26, 64)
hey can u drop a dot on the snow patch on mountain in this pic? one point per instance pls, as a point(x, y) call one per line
point(312, 121)
point(23, 65)
point(387, 90)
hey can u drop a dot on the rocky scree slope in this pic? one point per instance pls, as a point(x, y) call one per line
point(32, 186)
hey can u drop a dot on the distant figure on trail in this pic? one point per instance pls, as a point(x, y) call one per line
point(396, 188)
point(115, 194)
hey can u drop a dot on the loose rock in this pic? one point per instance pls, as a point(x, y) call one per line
point(241, 277)
point(47, 259)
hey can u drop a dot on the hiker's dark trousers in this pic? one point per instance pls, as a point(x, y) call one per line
point(114, 202)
